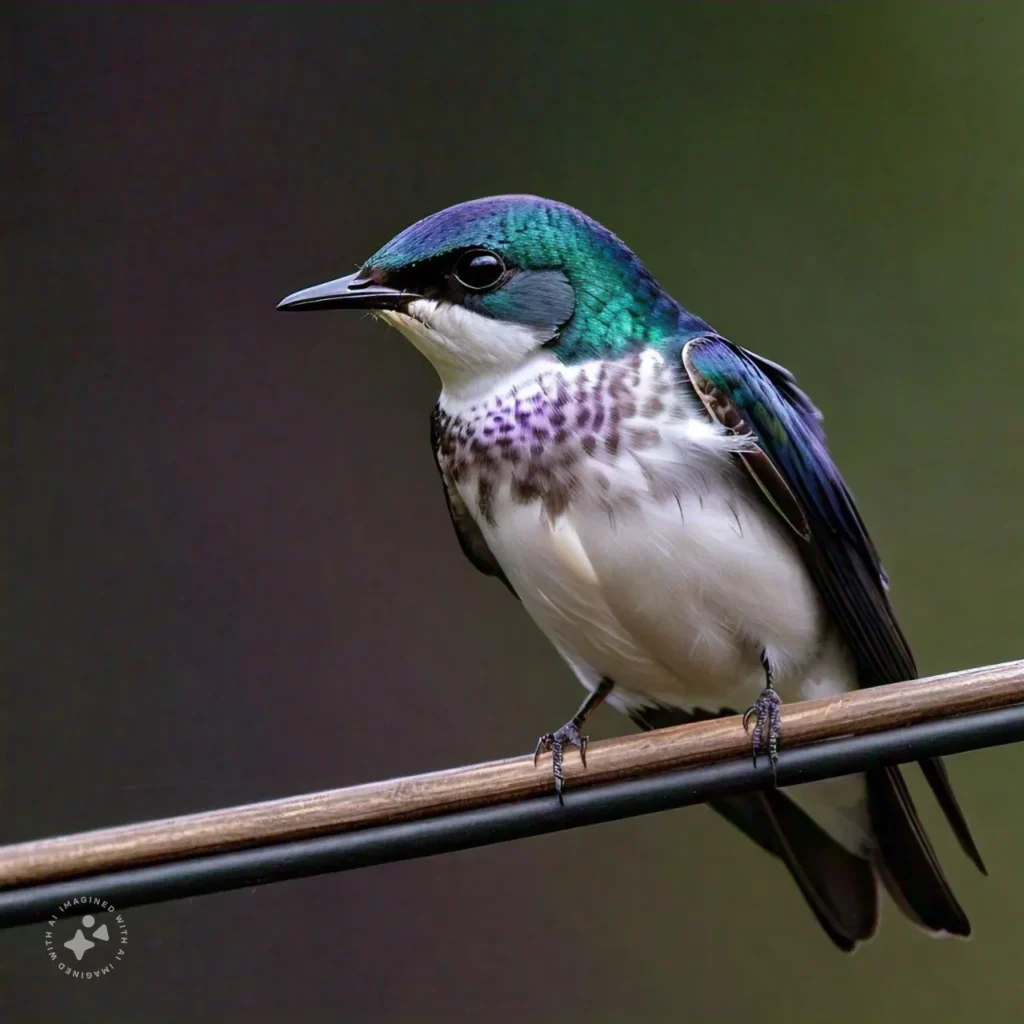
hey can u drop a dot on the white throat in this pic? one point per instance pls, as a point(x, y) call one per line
point(473, 354)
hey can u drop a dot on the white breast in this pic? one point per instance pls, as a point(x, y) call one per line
point(657, 564)
point(662, 570)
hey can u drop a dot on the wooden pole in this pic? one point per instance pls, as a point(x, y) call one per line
point(439, 793)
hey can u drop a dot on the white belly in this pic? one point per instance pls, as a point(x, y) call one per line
point(665, 572)
point(678, 610)
point(673, 601)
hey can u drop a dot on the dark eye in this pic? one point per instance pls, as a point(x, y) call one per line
point(479, 269)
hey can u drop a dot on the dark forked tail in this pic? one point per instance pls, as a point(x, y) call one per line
point(905, 860)
point(840, 887)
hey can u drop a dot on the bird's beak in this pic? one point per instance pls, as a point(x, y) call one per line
point(350, 292)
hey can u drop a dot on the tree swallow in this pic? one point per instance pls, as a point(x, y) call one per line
point(664, 505)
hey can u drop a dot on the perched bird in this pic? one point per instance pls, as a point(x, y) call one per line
point(664, 505)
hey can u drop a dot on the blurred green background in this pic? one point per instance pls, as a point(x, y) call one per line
point(232, 573)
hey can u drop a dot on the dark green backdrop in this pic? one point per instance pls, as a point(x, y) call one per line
point(232, 575)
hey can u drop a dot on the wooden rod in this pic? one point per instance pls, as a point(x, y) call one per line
point(473, 786)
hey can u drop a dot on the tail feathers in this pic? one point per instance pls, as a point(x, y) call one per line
point(905, 859)
point(935, 772)
point(839, 887)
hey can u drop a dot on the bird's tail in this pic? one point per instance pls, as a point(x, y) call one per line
point(905, 860)
point(840, 887)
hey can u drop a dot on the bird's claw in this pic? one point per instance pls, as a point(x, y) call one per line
point(768, 728)
point(568, 736)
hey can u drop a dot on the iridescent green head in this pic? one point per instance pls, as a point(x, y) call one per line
point(492, 281)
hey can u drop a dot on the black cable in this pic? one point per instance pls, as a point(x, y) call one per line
point(499, 823)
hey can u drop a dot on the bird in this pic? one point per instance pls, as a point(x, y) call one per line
point(664, 504)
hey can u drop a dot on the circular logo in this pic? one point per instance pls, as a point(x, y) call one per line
point(86, 938)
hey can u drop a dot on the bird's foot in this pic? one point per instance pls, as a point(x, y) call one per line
point(568, 736)
point(768, 726)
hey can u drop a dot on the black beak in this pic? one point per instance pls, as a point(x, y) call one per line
point(348, 293)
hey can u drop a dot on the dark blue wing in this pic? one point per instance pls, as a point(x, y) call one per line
point(790, 462)
point(752, 395)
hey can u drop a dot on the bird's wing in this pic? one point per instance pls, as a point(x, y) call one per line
point(789, 461)
point(788, 456)
point(471, 539)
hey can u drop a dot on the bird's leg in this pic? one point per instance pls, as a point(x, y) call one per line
point(569, 735)
point(766, 710)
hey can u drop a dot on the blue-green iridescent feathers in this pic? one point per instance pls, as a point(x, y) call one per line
point(618, 308)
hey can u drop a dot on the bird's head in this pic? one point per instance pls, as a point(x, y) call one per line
point(487, 286)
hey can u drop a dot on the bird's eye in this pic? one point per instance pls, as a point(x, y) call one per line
point(479, 269)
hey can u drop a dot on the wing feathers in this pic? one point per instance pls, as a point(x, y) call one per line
point(736, 385)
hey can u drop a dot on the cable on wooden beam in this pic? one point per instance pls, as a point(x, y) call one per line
point(417, 816)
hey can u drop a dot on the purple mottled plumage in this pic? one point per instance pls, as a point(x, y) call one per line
point(538, 438)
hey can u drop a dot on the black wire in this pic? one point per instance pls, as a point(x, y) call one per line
point(499, 823)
